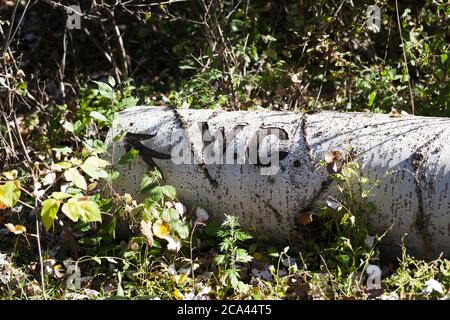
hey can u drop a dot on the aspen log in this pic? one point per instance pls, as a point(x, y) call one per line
point(409, 156)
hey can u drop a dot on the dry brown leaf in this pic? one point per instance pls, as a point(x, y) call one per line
point(304, 218)
point(11, 175)
point(33, 289)
point(332, 156)
point(146, 230)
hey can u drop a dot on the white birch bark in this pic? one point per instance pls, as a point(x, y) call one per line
point(414, 196)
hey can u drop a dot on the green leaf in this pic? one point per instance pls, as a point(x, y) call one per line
point(268, 38)
point(187, 67)
point(72, 175)
point(170, 215)
point(147, 180)
point(78, 126)
point(113, 175)
point(128, 102)
point(83, 209)
point(94, 146)
point(21, 88)
point(93, 166)
point(219, 259)
point(274, 254)
point(156, 194)
point(49, 210)
point(233, 276)
point(119, 136)
point(63, 165)
point(169, 192)
point(60, 195)
point(372, 97)
point(63, 150)
point(74, 191)
point(242, 256)
point(9, 194)
point(242, 236)
point(111, 81)
point(98, 116)
point(128, 157)
point(242, 287)
point(444, 58)
point(97, 259)
point(343, 258)
point(68, 126)
point(105, 90)
point(182, 229)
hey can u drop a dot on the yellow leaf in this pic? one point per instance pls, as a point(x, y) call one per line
point(180, 279)
point(82, 208)
point(16, 229)
point(161, 229)
point(177, 294)
point(9, 194)
point(91, 186)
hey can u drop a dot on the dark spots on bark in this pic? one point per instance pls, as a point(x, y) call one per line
point(323, 188)
point(318, 134)
point(297, 163)
point(180, 118)
point(303, 126)
point(271, 207)
point(417, 159)
point(213, 182)
point(421, 221)
point(213, 115)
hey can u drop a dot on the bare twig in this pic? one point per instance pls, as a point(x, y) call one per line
point(405, 60)
point(121, 46)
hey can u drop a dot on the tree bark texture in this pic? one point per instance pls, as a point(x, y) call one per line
point(408, 155)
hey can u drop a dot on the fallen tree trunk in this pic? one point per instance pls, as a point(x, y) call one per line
point(273, 180)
